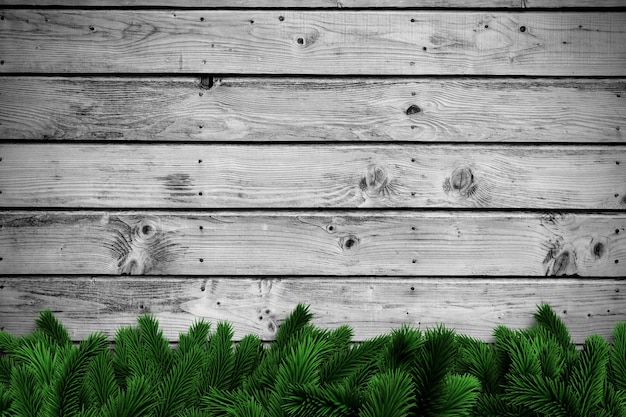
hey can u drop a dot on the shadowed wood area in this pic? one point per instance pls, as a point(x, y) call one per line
point(313, 42)
point(371, 305)
point(329, 243)
point(320, 109)
point(321, 176)
point(322, 3)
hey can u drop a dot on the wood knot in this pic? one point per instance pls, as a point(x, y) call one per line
point(349, 242)
point(461, 183)
point(145, 230)
point(563, 263)
point(413, 109)
point(308, 39)
point(206, 82)
point(598, 248)
point(375, 182)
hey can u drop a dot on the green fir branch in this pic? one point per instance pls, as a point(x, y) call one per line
point(49, 324)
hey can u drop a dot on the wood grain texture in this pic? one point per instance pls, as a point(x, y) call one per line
point(371, 305)
point(322, 3)
point(301, 243)
point(313, 42)
point(320, 176)
point(313, 109)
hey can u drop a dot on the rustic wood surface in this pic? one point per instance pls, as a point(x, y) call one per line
point(299, 243)
point(313, 109)
point(320, 176)
point(371, 305)
point(313, 42)
point(323, 3)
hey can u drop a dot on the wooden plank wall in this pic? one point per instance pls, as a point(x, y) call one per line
point(418, 161)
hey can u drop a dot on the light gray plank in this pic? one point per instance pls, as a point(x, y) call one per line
point(321, 176)
point(313, 42)
point(313, 109)
point(304, 242)
point(370, 305)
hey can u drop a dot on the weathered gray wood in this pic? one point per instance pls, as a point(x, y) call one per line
point(321, 176)
point(318, 109)
point(322, 3)
point(313, 42)
point(302, 243)
point(371, 305)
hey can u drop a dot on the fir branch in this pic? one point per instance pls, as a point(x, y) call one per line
point(546, 396)
point(48, 324)
point(136, 401)
point(614, 401)
point(5, 401)
point(246, 359)
point(548, 319)
point(297, 320)
point(337, 400)
point(341, 337)
point(129, 357)
point(480, 360)
point(248, 408)
point(219, 402)
point(25, 392)
point(402, 349)
point(8, 342)
point(40, 358)
point(390, 394)
point(220, 359)
point(461, 393)
point(504, 338)
point(302, 363)
point(192, 412)
point(433, 363)
point(158, 355)
point(66, 387)
point(617, 357)
point(179, 387)
point(551, 358)
point(100, 379)
point(524, 354)
point(345, 363)
point(589, 374)
point(197, 336)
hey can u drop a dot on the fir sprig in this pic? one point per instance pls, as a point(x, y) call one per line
point(312, 372)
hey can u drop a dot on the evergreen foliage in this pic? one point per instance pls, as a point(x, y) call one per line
point(312, 372)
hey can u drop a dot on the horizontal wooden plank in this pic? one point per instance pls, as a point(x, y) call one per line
point(313, 42)
point(301, 243)
point(313, 109)
point(320, 176)
point(322, 3)
point(371, 305)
